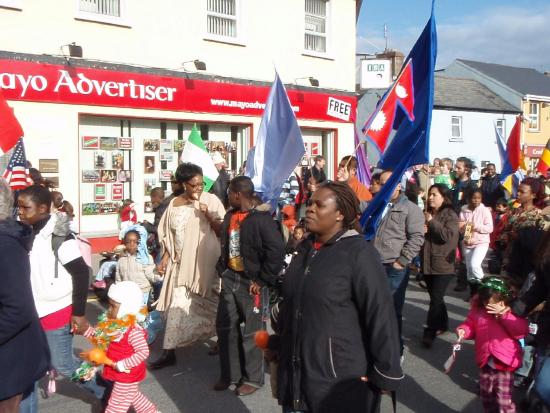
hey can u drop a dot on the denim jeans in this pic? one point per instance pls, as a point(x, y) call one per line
point(542, 375)
point(398, 280)
point(240, 359)
point(64, 362)
point(29, 404)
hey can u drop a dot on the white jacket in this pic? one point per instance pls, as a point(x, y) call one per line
point(51, 293)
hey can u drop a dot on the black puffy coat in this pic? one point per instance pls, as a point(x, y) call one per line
point(337, 323)
point(24, 352)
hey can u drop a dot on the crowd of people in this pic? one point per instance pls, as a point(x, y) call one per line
point(223, 263)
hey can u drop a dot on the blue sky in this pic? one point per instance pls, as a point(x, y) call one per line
point(507, 32)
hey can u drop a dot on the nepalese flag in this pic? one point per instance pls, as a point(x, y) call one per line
point(10, 129)
point(17, 173)
point(380, 124)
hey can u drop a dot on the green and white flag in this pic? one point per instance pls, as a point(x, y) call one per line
point(195, 152)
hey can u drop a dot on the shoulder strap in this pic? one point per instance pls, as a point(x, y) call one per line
point(57, 240)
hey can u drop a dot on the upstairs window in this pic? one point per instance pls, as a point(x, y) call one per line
point(456, 129)
point(102, 11)
point(222, 18)
point(316, 25)
point(103, 7)
point(501, 127)
point(534, 117)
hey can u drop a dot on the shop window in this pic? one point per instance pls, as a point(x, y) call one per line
point(501, 127)
point(316, 26)
point(222, 20)
point(456, 129)
point(103, 11)
point(534, 117)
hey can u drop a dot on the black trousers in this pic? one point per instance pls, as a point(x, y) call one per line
point(240, 360)
point(437, 313)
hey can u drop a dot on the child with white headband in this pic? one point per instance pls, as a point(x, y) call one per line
point(126, 348)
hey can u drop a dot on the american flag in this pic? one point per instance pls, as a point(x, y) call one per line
point(17, 173)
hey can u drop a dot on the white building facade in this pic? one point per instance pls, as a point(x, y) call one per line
point(456, 133)
point(111, 125)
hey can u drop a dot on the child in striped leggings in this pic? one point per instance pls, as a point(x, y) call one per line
point(126, 350)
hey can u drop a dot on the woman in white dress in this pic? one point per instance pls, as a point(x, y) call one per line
point(188, 235)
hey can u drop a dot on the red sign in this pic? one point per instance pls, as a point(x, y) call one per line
point(90, 142)
point(117, 193)
point(41, 82)
point(533, 151)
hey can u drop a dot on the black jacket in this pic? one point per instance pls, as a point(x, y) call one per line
point(24, 353)
point(262, 246)
point(538, 293)
point(220, 187)
point(337, 323)
point(460, 193)
point(491, 190)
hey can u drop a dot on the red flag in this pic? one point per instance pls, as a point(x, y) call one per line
point(380, 124)
point(513, 147)
point(10, 129)
point(17, 173)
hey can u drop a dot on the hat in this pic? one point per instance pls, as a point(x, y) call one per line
point(217, 158)
point(128, 295)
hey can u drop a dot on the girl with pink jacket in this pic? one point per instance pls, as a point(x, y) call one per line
point(476, 226)
point(496, 332)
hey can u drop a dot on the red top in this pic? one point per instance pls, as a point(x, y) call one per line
point(132, 350)
point(57, 320)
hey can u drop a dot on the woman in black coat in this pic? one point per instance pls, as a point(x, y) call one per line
point(24, 354)
point(438, 258)
point(339, 345)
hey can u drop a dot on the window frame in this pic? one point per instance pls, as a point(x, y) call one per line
point(12, 4)
point(459, 138)
point(122, 20)
point(327, 54)
point(502, 127)
point(239, 22)
point(537, 117)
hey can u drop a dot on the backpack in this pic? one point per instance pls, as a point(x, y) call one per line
point(83, 244)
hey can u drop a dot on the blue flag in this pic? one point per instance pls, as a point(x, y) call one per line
point(411, 142)
point(279, 147)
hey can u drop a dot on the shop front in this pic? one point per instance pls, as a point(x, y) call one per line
point(105, 133)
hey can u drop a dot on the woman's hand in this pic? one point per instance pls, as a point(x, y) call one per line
point(203, 208)
point(428, 217)
point(161, 267)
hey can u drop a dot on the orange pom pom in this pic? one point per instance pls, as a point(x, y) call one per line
point(98, 356)
point(261, 338)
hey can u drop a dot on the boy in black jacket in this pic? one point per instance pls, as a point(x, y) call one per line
point(251, 259)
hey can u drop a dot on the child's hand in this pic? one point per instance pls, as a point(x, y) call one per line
point(119, 366)
point(460, 333)
point(497, 309)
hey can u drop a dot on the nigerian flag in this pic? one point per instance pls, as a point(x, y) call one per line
point(195, 152)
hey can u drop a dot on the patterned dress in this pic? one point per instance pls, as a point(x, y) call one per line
point(190, 317)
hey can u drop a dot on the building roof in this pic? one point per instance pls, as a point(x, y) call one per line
point(468, 94)
point(521, 79)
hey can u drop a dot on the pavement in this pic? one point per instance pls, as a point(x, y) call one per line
point(186, 387)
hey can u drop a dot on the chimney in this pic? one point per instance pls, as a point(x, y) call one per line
point(396, 58)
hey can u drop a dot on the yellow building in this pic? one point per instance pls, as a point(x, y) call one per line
point(536, 128)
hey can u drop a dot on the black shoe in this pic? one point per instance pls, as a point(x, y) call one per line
point(428, 338)
point(460, 287)
point(221, 385)
point(167, 358)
